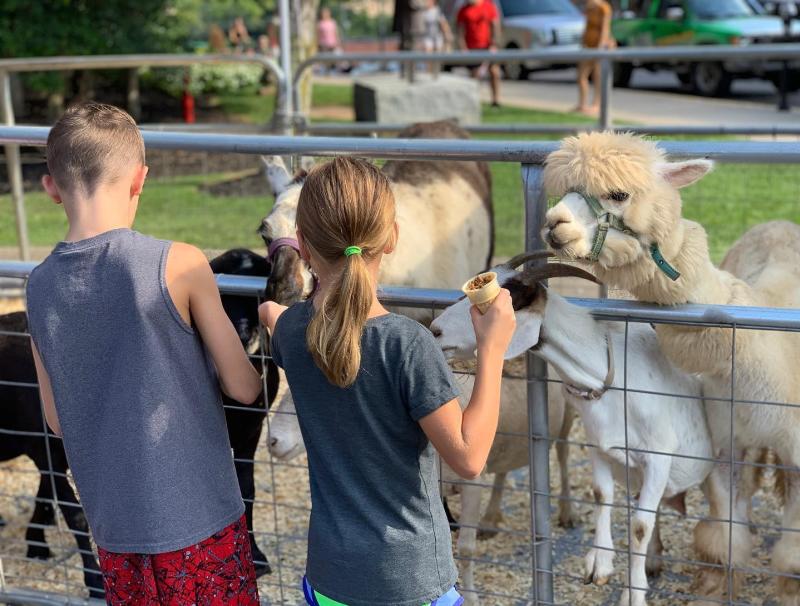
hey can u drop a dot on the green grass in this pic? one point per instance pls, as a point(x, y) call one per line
point(176, 209)
point(727, 202)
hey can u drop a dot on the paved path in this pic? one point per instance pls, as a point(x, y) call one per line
point(655, 100)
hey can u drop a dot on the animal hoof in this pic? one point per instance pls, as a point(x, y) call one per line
point(260, 561)
point(654, 568)
point(39, 552)
point(710, 583)
point(487, 533)
point(98, 594)
point(632, 598)
point(599, 566)
point(788, 591)
point(567, 520)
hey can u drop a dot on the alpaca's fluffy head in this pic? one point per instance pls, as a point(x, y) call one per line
point(631, 178)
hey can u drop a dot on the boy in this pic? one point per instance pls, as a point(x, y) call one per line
point(121, 324)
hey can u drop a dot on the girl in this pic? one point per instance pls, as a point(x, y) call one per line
point(374, 397)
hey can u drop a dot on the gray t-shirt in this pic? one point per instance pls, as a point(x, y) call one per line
point(378, 532)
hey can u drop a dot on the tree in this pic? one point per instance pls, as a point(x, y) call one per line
point(304, 44)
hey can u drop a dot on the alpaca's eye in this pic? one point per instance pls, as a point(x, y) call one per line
point(618, 196)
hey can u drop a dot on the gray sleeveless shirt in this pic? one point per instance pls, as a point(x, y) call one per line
point(136, 395)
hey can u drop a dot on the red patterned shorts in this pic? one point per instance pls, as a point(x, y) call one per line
point(215, 572)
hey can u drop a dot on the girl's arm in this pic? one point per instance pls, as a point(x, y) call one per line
point(463, 439)
point(194, 292)
point(46, 392)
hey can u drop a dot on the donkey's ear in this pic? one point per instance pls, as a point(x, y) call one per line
point(277, 175)
point(681, 174)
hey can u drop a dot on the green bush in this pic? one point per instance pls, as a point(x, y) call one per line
point(205, 79)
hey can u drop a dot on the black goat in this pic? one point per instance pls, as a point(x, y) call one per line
point(245, 422)
point(22, 424)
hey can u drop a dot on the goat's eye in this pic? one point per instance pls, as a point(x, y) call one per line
point(618, 196)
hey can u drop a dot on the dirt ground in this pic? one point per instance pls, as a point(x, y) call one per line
point(503, 571)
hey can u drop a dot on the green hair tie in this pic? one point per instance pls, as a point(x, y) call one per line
point(352, 250)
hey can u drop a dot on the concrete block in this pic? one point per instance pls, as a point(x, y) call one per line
point(387, 98)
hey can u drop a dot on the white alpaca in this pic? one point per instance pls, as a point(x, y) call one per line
point(637, 193)
point(587, 356)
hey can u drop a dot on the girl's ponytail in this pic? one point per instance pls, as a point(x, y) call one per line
point(346, 216)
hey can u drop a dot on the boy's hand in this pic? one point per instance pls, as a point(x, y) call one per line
point(495, 328)
point(269, 313)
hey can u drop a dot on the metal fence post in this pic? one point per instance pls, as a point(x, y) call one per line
point(285, 98)
point(539, 453)
point(14, 165)
point(606, 86)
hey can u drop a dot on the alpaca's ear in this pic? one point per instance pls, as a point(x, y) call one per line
point(681, 174)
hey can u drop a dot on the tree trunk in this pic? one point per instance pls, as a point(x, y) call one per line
point(134, 99)
point(304, 45)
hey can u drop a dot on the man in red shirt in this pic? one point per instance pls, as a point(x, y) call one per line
point(479, 29)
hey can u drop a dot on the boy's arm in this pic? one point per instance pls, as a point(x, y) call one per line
point(269, 313)
point(46, 392)
point(194, 291)
point(464, 438)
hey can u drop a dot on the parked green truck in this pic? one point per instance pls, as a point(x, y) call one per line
point(701, 22)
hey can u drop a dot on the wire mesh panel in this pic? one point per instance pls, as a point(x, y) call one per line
point(534, 528)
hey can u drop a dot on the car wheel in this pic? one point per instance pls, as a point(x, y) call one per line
point(685, 78)
point(622, 75)
point(515, 71)
point(710, 79)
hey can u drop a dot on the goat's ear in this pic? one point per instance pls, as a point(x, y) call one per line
point(682, 174)
point(526, 334)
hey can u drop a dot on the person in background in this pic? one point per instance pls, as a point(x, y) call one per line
point(596, 35)
point(216, 39)
point(239, 36)
point(437, 31)
point(327, 32)
point(438, 36)
point(327, 37)
point(479, 29)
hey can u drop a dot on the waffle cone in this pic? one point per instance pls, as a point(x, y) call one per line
point(482, 290)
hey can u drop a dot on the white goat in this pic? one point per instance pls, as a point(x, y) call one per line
point(660, 432)
point(509, 452)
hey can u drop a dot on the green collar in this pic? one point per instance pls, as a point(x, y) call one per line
point(606, 220)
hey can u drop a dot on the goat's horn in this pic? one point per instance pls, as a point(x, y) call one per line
point(558, 270)
point(528, 256)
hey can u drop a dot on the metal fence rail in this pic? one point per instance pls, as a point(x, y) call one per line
point(751, 152)
point(327, 129)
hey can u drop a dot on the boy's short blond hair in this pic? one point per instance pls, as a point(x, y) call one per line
point(92, 143)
